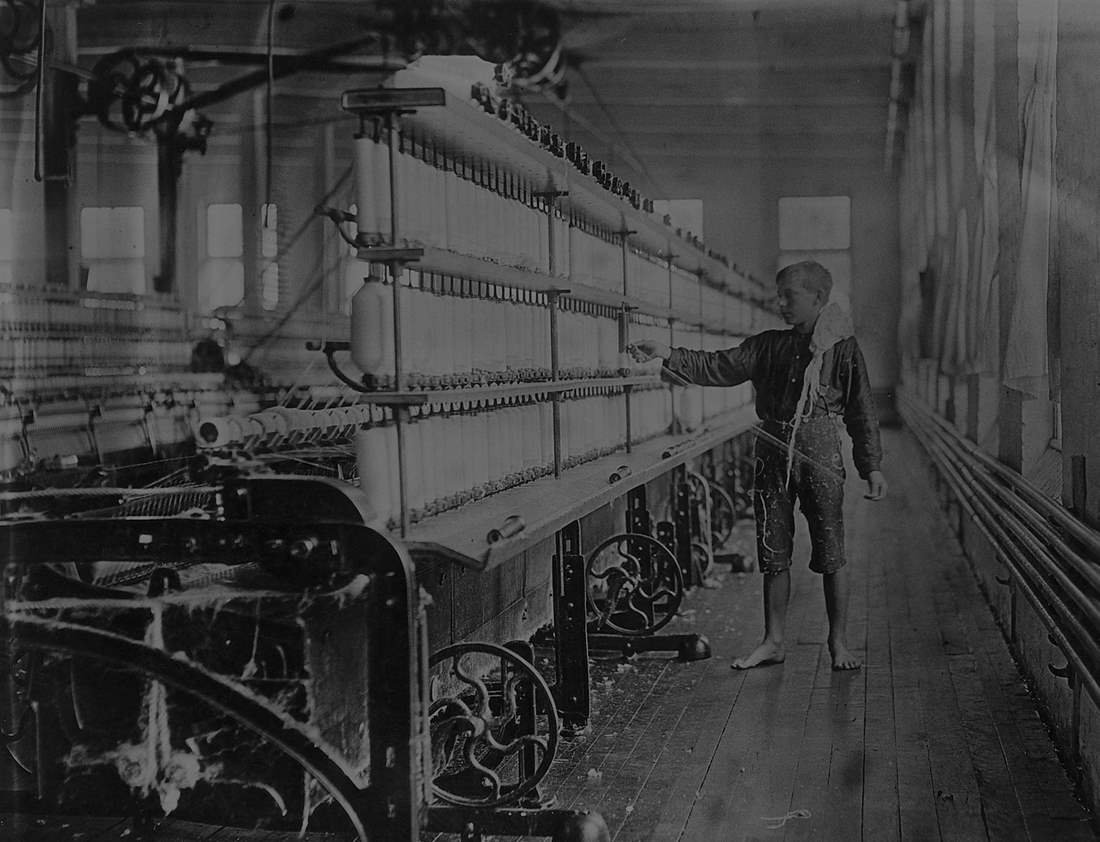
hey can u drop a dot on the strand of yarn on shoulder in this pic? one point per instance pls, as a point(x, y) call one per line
point(833, 325)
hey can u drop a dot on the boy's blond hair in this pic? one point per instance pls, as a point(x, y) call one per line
point(811, 274)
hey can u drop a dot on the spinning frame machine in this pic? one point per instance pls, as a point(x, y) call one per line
point(244, 646)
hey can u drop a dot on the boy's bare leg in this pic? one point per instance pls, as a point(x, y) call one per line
point(777, 592)
point(835, 586)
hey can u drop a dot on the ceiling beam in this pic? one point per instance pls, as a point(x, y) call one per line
point(864, 59)
point(657, 159)
point(693, 117)
point(870, 101)
point(752, 9)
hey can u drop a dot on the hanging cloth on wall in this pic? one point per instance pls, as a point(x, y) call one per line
point(987, 343)
point(1025, 366)
point(957, 295)
point(913, 249)
point(941, 268)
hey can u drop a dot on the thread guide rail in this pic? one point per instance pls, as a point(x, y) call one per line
point(547, 504)
point(468, 128)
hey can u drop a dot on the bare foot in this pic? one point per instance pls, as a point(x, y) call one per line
point(843, 657)
point(766, 653)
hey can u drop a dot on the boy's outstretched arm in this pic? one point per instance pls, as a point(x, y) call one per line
point(645, 350)
point(683, 366)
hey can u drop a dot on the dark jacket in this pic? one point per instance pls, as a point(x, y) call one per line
point(775, 361)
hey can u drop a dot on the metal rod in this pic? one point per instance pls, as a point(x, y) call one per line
point(399, 417)
point(1028, 579)
point(1079, 531)
point(624, 335)
point(282, 66)
point(556, 403)
point(400, 413)
point(668, 261)
point(629, 433)
point(40, 92)
point(671, 332)
point(554, 373)
point(550, 257)
point(1022, 527)
point(622, 240)
point(395, 266)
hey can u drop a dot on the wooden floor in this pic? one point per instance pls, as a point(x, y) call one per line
point(936, 738)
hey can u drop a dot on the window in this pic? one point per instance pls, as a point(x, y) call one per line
point(112, 249)
point(224, 231)
point(7, 246)
point(814, 222)
point(818, 228)
point(269, 250)
point(221, 275)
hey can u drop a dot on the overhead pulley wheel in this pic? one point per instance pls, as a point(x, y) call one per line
point(20, 46)
point(135, 95)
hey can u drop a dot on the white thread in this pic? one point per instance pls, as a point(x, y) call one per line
point(764, 434)
point(776, 822)
point(833, 325)
point(298, 380)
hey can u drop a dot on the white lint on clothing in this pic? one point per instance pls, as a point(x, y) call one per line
point(833, 325)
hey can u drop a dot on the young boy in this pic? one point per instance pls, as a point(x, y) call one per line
point(806, 380)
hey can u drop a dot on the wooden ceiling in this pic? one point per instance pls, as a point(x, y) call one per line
point(651, 83)
point(730, 82)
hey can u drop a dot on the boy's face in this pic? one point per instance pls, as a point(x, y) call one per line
point(799, 306)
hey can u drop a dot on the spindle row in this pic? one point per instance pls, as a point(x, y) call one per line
point(454, 452)
point(60, 432)
point(475, 207)
point(458, 456)
point(475, 123)
point(89, 335)
point(457, 332)
point(465, 333)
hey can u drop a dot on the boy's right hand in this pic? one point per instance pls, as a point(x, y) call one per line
point(645, 350)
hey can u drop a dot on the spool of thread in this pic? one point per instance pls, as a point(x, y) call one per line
point(273, 424)
point(512, 526)
point(367, 222)
point(219, 432)
point(691, 408)
point(372, 328)
point(669, 452)
point(620, 473)
point(373, 458)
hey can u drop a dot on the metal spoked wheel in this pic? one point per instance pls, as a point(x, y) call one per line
point(635, 586)
point(21, 46)
point(701, 558)
point(494, 725)
point(50, 636)
point(723, 515)
point(133, 94)
point(699, 489)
